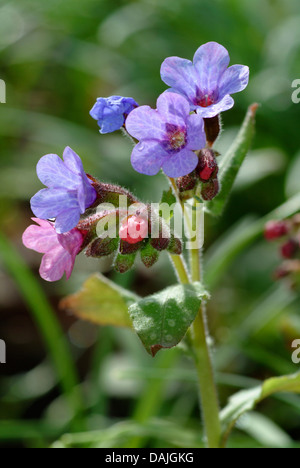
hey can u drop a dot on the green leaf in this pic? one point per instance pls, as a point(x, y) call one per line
point(162, 320)
point(117, 435)
point(246, 400)
point(167, 198)
point(264, 430)
point(102, 302)
point(232, 162)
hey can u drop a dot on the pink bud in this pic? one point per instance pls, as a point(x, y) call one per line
point(134, 229)
point(275, 229)
point(289, 248)
point(208, 166)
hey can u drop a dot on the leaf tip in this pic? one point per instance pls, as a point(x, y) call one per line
point(155, 348)
point(253, 109)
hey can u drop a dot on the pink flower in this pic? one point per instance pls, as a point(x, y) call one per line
point(59, 250)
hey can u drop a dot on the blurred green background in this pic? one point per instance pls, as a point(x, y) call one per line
point(56, 58)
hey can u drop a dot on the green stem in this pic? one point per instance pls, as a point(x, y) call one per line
point(180, 268)
point(200, 342)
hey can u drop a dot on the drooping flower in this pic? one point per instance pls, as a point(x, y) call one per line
point(69, 191)
point(207, 82)
point(168, 136)
point(59, 250)
point(111, 112)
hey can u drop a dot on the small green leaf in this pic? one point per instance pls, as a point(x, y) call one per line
point(232, 162)
point(246, 400)
point(102, 302)
point(162, 320)
point(167, 198)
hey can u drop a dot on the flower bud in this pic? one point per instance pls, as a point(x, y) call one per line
point(133, 229)
point(207, 167)
point(109, 193)
point(289, 248)
point(212, 129)
point(210, 189)
point(149, 255)
point(275, 229)
point(123, 263)
point(175, 246)
point(102, 247)
point(129, 248)
point(186, 182)
point(281, 272)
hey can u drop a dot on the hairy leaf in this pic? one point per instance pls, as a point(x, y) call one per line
point(102, 302)
point(162, 320)
point(232, 162)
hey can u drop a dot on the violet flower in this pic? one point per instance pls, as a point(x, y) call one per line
point(69, 191)
point(168, 136)
point(206, 82)
point(59, 250)
point(111, 112)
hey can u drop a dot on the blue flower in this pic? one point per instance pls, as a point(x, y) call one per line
point(168, 136)
point(111, 112)
point(206, 82)
point(69, 191)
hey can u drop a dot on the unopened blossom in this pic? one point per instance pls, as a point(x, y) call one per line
point(167, 136)
point(275, 229)
point(134, 229)
point(59, 250)
point(69, 191)
point(207, 82)
point(111, 112)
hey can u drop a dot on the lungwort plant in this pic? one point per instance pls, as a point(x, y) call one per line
point(77, 212)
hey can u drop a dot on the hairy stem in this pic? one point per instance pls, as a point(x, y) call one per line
point(200, 342)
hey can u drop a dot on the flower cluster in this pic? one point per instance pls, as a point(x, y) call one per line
point(177, 137)
point(287, 232)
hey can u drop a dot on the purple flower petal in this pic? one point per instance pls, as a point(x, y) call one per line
point(195, 131)
point(145, 123)
point(53, 173)
point(173, 107)
point(210, 60)
point(70, 191)
point(73, 162)
point(111, 112)
point(148, 156)
point(207, 83)
point(180, 164)
point(180, 74)
point(111, 123)
point(66, 220)
point(48, 203)
point(234, 80)
point(211, 111)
